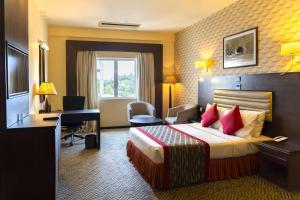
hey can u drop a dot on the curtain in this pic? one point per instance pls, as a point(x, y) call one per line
point(87, 82)
point(145, 78)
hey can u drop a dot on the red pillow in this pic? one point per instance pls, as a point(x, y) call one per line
point(232, 121)
point(210, 116)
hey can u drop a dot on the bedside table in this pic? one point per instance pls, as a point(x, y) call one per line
point(279, 162)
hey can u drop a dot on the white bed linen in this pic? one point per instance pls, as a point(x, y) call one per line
point(221, 145)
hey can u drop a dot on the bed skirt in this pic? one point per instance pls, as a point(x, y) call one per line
point(218, 168)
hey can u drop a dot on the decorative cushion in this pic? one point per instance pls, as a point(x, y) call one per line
point(210, 116)
point(221, 112)
point(232, 121)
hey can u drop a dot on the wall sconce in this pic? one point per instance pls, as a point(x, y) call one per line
point(292, 49)
point(204, 64)
point(43, 45)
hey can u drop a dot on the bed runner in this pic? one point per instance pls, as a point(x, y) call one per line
point(186, 157)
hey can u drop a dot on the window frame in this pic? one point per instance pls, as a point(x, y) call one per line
point(116, 77)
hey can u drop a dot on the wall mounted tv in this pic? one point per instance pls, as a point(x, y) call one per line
point(17, 71)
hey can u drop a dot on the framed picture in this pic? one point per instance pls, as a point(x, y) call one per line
point(240, 49)
point(42, 73)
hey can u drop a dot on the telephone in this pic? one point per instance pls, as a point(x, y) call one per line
point(280, 138)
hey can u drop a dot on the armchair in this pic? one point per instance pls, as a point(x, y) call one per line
point(181, 114)
point(140, 109)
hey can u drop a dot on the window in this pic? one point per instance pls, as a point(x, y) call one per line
point(116, 77)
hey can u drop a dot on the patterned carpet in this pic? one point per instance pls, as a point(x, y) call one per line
point(108, 175)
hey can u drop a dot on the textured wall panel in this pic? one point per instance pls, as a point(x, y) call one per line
point(277, 21)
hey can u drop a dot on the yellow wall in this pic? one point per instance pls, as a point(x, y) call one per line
point(57, 59)
point(277, 22)
point(38, 30)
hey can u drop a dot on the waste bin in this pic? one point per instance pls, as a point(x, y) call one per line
point(90, 141)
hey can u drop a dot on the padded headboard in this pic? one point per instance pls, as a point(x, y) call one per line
point(247, 100)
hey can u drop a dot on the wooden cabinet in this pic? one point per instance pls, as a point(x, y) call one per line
point(30, 157)
point(13, 30)
point(16, 23)
point(280, 163)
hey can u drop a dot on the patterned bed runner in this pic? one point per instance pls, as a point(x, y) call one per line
point(186, 157)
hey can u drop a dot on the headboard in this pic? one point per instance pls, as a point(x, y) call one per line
point(285, 99)
point(247, 100)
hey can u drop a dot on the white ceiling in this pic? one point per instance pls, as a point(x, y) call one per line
point(154, 15)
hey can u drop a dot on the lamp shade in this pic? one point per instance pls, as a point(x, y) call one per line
point(47, 88)
point(203, 63)
point(170, 79)
point(290, 48)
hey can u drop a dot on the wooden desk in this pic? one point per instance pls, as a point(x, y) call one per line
point(74, 116)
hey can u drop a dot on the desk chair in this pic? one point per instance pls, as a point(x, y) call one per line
point(73, 103)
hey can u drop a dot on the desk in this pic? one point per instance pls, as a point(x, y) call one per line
point(73, 116)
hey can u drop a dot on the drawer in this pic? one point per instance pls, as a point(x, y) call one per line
point(274, 153)
point(270, 156)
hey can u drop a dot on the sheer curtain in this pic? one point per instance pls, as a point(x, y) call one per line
point(145, 78)
point(87, 81)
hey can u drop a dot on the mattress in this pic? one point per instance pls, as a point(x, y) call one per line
point(221, 145)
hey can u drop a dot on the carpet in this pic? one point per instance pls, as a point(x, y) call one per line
point(107, 174)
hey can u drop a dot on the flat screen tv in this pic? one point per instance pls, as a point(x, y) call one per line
point(17, 71)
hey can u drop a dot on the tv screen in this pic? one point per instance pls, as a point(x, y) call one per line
point(17, 71)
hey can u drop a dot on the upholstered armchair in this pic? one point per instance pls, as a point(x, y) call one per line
point(140, 109)
point(181, 114)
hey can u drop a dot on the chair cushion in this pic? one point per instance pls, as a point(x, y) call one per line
point(171, 120)
point(141, 116)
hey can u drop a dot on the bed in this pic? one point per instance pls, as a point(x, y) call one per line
point(177, 155)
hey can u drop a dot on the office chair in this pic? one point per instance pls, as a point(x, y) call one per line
point(73, 103)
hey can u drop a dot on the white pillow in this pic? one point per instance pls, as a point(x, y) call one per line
point(221, 112)
point(259, 122)
point(249, 120)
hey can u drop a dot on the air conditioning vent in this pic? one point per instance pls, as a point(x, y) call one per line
point(118, 25)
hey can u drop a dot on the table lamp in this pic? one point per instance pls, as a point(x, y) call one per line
point(47, 88)
point(170, 79)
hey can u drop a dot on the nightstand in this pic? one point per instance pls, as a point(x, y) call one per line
point(279, 162)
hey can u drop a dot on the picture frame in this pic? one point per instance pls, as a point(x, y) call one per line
point(240, 49)
point(42, 71)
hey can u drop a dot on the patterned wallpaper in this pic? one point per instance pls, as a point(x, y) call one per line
point(277, 21)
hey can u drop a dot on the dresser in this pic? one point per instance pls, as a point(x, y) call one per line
point(29, 158)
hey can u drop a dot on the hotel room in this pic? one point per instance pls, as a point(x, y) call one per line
point(123, 100)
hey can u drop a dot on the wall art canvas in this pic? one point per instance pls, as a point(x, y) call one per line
point(240, 50)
